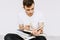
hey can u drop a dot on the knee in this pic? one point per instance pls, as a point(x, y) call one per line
point(11, 36)
point(7, 37)
point(42, 37)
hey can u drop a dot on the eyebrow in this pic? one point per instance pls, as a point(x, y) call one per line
point(28, 9)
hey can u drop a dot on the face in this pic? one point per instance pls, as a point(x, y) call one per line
point(29, 10)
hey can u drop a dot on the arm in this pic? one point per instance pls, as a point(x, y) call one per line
point(22, 27)
point(40, 30)
point(41, 25)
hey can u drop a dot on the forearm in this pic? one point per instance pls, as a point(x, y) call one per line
point(41, 27)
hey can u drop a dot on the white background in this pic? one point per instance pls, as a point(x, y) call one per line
point(10, 8)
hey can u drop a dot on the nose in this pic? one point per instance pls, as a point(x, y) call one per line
point(31, 11)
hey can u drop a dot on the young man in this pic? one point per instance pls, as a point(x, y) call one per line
point(31, 20)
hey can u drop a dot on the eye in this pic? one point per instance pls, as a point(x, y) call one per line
point(28, 9)
point(32, 9)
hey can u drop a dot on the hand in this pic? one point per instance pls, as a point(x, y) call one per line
point(35, 32)
point(21, 27)
point(40, 30)
point(27, 27)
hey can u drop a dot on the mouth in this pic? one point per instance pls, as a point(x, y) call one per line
point(30, 13)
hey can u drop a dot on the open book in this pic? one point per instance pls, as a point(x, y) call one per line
point(29, 33)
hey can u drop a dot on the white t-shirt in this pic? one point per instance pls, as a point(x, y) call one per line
point(34, 20)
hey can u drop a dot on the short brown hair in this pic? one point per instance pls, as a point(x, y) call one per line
point(28, 3)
